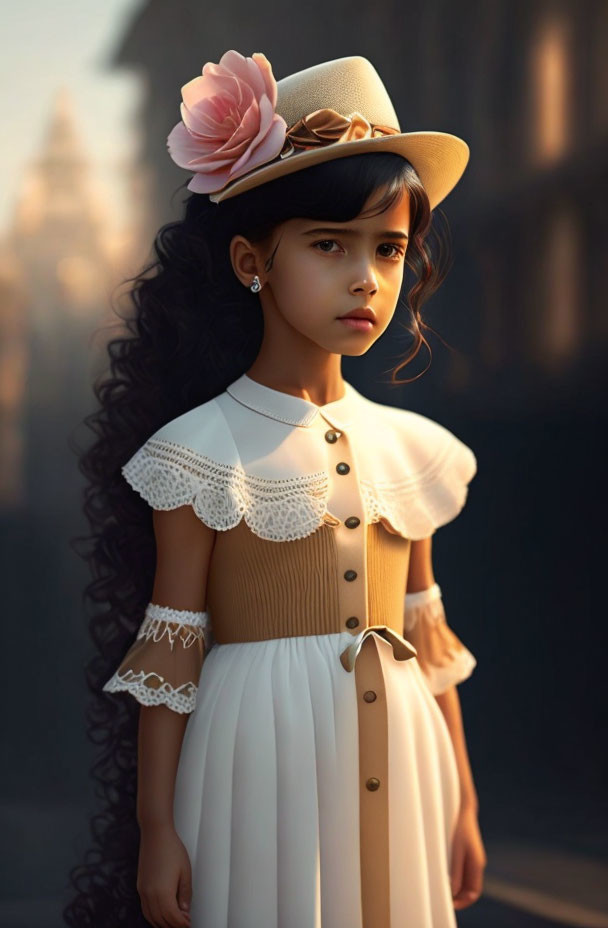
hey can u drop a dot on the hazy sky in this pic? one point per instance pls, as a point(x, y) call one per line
point(46, 46)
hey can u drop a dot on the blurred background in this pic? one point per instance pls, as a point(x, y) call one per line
point(519, 372)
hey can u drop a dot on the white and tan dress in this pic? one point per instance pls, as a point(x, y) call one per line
point(317, 784)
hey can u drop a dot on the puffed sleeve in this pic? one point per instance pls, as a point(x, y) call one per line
point(442, 656)
point(164, 663)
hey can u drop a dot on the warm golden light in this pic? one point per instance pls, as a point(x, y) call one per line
point(559, 339)
point(550, 91)
point(82, 283)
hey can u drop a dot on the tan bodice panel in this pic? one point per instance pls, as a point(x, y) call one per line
point(258, 589)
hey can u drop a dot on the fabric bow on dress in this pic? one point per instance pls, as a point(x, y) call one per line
point(402, 649)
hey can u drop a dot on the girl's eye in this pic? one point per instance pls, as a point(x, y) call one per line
point(326, 241)
point(397, 252)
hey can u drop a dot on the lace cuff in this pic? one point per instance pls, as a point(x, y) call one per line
point(164, 663)
point(442, 656)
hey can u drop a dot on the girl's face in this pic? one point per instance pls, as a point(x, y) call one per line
point(321, 270)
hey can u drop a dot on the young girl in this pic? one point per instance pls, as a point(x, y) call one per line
point(264, 535)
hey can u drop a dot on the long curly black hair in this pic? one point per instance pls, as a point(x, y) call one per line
point(190, 331)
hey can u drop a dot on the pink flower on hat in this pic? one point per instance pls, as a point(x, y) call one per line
point(229, 125)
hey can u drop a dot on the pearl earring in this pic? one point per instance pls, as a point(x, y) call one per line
point(256, 286)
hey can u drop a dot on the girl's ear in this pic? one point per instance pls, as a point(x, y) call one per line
point(245, 258)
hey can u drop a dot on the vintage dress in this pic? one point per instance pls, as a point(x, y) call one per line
point(317, 784)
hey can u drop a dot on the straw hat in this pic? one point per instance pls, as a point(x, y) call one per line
point(240, 128)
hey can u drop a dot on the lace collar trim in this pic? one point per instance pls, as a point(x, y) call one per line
point(413, 472)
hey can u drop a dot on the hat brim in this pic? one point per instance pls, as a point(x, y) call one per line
point(438, 158)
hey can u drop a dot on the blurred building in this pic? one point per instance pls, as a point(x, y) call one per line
point(539, 123)
point(14, 357)
point(55, 282)
point(522, 309)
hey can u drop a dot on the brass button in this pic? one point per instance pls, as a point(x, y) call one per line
point(352, 522)
point(342, 467)
point(372, 783)
point(352, 622)
point(369, 696)
point(350, 575)
point(331, 436)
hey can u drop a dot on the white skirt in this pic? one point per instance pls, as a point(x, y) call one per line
point(267, 790)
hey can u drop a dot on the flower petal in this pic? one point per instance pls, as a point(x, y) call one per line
point(245, 69)
point(267, 150)
point(208, 183)
point(269, 82)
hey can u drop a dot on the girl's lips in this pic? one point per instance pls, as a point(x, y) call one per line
point(363, 325)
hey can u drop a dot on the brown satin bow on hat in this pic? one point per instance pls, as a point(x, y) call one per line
point(326, 127)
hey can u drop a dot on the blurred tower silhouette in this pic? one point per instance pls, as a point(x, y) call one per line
point(58, 257)
point(13, 363)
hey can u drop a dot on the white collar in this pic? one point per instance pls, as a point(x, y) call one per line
point(412, 471)
point(294, 410)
